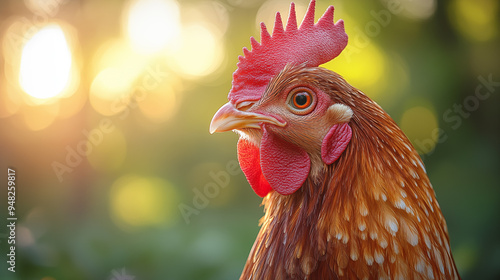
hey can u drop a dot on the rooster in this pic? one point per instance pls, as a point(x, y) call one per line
point(346, 196)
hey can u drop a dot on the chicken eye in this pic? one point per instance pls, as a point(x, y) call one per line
point(301, 101)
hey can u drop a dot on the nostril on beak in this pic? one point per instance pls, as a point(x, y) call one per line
point(245, 105)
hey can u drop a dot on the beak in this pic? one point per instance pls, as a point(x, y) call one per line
point(229, 118)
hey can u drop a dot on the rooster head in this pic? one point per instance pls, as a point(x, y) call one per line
point(290, 124)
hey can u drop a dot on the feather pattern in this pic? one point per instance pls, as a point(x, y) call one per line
point(373, 214)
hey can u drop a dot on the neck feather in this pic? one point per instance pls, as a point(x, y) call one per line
point(371, 213)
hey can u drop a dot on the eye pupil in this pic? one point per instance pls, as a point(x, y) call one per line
point(301, 99)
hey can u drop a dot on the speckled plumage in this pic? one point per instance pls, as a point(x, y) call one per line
point(346, 196)
point(372, 214)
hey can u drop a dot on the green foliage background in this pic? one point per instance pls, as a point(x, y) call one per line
point(71, 229)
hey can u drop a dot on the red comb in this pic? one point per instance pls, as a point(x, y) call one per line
point(312, 44)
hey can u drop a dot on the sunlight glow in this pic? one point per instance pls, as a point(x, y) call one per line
point(112, 83)
point(9, 101)
point(115, 68)
point(143, 201)
point(419, 10)
point(152, 24)
point(40, 117)
point(476, 20)
point(201, 51)
point(160, 104)
point(111, 90)
point(46, 64)
point(420, 123)
point(117, 52)
point(364, 67)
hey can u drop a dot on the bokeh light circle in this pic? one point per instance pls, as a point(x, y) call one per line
point(419, 123)
point(143, 201)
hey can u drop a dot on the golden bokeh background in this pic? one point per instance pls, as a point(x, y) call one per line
point(105, 108)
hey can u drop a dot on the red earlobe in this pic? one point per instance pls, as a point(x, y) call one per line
point(335, 142)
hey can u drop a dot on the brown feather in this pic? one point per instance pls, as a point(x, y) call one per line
point(372, 214)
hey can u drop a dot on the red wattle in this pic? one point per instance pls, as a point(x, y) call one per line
point(249, 158)
point(284, 165)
